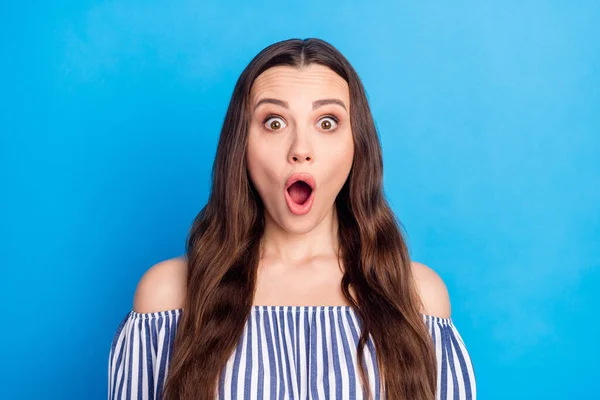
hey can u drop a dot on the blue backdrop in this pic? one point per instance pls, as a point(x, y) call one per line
point(488, 115)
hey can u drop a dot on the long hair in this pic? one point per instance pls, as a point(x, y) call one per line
point(223, 247)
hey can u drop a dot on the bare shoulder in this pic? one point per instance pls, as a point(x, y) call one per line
point(433, 291)
point(162, 287)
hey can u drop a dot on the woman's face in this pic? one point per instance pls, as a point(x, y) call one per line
point(299, 123)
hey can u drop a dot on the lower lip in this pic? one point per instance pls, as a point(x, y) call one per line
point(300, 209)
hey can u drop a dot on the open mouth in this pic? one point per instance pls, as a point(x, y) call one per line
point(299, 192)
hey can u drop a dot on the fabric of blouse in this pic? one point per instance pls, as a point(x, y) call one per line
point(285, 352)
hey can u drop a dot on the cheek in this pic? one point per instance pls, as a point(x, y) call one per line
point(341, 163)
point(344, 154)
point(253, 155)
point(261, 168)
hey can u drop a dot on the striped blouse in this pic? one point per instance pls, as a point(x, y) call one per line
point(285, 352)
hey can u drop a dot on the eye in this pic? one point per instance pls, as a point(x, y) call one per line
point(328, 123)
point(274, 122)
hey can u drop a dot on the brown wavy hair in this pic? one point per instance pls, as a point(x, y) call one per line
point(223, 248)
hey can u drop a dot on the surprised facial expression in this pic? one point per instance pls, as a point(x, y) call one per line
point(299, 130)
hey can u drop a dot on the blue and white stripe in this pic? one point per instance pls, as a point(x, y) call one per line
point(285, 352)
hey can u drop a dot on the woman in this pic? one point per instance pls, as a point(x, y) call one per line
point(296, 282)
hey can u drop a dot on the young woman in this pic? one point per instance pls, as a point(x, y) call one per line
point(296, 282)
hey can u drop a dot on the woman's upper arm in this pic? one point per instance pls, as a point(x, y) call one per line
point(140, 352)
point(142, 345)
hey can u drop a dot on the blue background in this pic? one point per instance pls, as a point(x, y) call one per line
point(488, 115)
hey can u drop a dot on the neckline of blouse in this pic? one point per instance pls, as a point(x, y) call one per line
point(286, 308)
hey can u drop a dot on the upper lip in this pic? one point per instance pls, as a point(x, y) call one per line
point(301, 176)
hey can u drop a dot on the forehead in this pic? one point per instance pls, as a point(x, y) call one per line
point(313, 80)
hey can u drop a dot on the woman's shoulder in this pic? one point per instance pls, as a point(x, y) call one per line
point(432, 289)
point(162, 287)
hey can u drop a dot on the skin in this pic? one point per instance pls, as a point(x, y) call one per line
point(299, 263)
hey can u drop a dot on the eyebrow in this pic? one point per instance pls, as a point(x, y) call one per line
point(316, 104)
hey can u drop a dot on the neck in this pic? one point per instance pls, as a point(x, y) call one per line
point(292, 247)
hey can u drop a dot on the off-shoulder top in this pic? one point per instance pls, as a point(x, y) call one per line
point(285, 352)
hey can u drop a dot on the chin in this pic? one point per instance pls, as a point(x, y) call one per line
point(299, 227)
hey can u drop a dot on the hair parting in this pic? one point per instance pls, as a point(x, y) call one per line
point(223, 251)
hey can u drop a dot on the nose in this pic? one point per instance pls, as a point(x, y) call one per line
point(301, 149)
point(301, 158)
